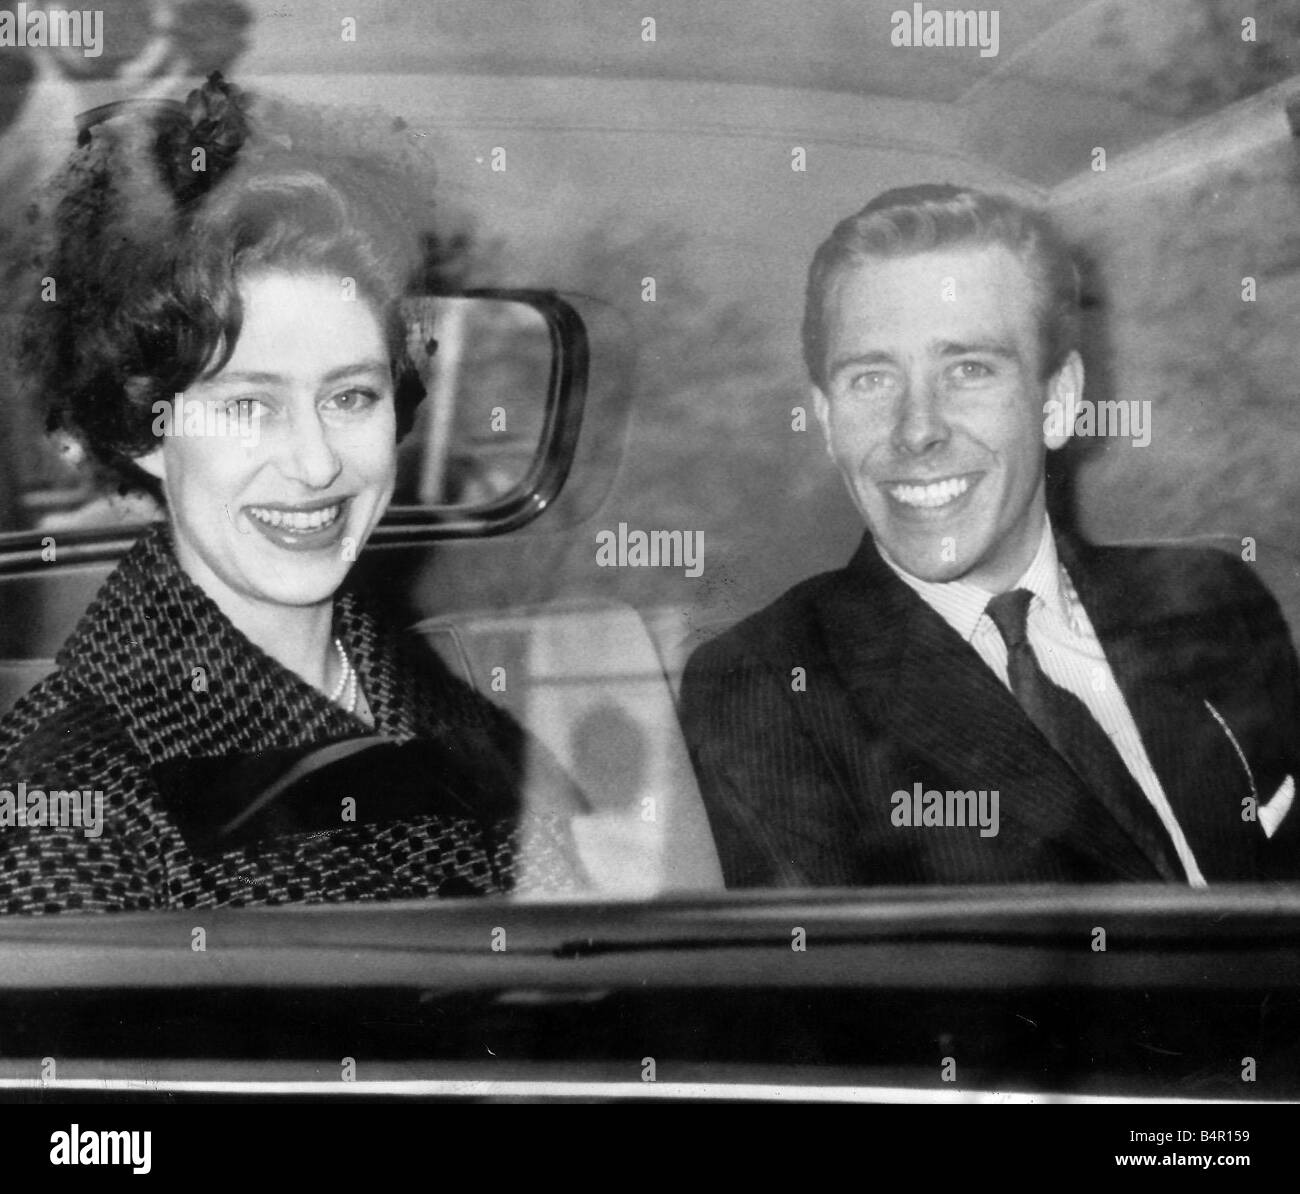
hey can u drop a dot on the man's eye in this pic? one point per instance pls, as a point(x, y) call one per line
point(873, 381)
point(970, 371)
point(349, 401)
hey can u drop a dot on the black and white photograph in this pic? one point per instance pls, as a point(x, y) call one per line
point(713, 552)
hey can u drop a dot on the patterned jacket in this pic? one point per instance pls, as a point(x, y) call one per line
point(161, 704)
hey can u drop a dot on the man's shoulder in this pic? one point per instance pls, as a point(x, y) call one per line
point(1157, 556)
point(784, 626)
point(1176, 578)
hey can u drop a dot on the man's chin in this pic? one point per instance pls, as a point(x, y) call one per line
point(931, 572)
point(935, 560)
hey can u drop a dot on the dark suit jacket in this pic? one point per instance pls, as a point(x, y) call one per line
point(798, 783)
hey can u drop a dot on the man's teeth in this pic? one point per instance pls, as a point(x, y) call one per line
point(296, 520)
point(939, 493)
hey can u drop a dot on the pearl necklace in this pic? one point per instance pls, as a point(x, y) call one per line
point(347, 679)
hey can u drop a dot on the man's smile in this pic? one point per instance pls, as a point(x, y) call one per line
point(939, 494)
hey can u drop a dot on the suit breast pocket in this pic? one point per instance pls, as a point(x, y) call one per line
point(1262, 762)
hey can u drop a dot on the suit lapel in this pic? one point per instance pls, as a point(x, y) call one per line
point(1146, 643)
point(913, 677)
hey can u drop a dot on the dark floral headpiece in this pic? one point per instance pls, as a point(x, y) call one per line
point(213, 119)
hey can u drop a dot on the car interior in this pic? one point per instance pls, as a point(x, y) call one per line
point(690, 187)
point(627, 203)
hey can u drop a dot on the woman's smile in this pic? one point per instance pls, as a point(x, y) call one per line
point(278, 524)
point(311, 526)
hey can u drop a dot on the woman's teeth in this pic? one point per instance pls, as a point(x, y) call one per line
point(940, 493)
point(297, 520)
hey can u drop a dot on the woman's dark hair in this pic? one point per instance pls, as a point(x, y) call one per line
point(141, 294)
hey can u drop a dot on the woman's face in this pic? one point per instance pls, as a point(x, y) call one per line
point(293, 457)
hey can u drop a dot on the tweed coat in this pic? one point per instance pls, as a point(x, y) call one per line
point(161, 704)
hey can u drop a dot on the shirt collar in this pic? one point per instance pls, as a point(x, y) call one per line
point(962, 604)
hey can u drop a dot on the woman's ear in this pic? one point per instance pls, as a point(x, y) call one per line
point(152, 463)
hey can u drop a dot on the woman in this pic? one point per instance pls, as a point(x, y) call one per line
point(257, 737)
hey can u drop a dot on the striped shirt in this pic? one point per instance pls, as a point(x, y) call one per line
point(1068, 651)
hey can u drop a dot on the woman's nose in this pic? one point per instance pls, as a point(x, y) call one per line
point(310, 455)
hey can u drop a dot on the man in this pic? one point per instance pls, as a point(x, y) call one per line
point(978, 697)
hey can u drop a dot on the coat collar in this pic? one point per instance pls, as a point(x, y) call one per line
point(184, 682)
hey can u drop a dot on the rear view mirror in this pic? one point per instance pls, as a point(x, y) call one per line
point(504, 374)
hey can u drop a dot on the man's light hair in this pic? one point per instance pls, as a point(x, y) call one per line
point(910, 220)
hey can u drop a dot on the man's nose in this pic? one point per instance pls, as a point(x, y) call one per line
point(919, 423)
point(309, 454)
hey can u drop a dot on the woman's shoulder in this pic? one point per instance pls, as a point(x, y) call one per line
point(58, 732)
point(75, 807)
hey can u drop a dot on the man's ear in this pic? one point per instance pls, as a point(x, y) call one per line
point(822, 409)
point(1064, 394)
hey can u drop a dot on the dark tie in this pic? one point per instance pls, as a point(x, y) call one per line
point(1067, 724)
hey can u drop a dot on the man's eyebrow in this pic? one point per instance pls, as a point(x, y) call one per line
point(858, 358)
point(944, 348)
point(996, 348)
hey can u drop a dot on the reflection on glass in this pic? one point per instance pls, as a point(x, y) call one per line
point(485, 365)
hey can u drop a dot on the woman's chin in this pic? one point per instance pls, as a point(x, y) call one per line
point(294, 576)
point(301, 591)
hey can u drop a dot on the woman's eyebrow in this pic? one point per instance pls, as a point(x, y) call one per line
point(370, 366)
point(247, 377)
point(257, 377)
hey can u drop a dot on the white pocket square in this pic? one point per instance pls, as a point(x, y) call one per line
point(1271, 814)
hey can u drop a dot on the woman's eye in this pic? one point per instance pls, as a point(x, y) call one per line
point(246, 410)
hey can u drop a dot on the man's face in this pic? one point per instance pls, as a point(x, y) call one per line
point(275, 519)
point(933, 410)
